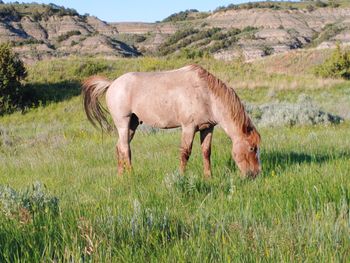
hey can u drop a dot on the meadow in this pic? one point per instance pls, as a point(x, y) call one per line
point(61, 200)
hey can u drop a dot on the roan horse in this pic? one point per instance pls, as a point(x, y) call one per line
point(189, 97)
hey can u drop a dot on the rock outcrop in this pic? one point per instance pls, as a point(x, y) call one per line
point(37, 35)
point(41, 31)
point(277, 30)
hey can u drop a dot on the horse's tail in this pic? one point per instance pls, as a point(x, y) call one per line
point(92, 89)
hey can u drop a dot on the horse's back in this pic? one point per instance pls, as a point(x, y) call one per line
point(161, 99)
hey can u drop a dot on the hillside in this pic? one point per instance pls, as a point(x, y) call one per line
point(43, 31)
point(254, 31)
point(250, 30)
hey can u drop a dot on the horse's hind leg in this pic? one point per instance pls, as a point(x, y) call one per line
point(134, 123)
point(186, 146)
point(123, 148)
point(206, 136)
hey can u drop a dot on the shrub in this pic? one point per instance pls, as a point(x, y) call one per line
point(140, 38)
point(12, 71)
point(310, 8)
point(181, 16)
point(218, 36)
point(234, 31)
point(336, 66)
point(304, 112)
point(219, 8)
point(191, 38)
point(249, 5)
point(222, 44)
point(333, 3)
point(10, 11)
point(267, 50)
point(249, 29)
point(191, 53)
point(91, 67)
point(68, 35)
point(25, 205)
point(74, 43)
point(320, 3)
point(180, 35)
point(168, 46)
point(328, 32)
point(28, 41)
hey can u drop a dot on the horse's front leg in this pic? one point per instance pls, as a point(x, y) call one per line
point(186, 146)
point(206, 137)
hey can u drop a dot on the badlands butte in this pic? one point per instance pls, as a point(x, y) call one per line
point(250, 30)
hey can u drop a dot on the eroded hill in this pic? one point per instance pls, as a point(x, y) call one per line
point(43, 31)
point(248, 30)
point(254, 32)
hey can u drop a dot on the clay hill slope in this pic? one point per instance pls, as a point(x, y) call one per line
point(254, 31)
point(43, 31)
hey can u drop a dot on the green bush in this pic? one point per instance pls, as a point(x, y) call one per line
point(68, 35)
point(249, 29)
point(181, 16)
point(328, 32)
point(169, 45)
point(91, 67)
point(234, 31)
point(189, 53)
point(140, 38)
point(28, 41)
point(35, 200)
point(303, 112)
point(74, 43)
point(333, 3)
point(221, 44)
point(320, 3)
point(310, 8)
point(12, 71)
point(267, 50)
point(9, 11)
point(34, 10)
point(336, 66)
point(178, 35)
point(250, 5)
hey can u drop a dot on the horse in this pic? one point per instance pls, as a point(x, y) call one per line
point(189, 97)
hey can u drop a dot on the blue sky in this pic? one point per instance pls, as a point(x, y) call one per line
point(136, 10)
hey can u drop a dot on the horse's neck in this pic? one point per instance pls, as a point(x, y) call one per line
point(223, 118)
point(231, 129)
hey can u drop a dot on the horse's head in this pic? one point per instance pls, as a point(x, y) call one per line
point(246, 153)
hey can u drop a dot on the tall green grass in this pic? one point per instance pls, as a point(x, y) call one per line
point(296, 211)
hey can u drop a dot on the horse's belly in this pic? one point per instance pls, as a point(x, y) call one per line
point(170, 109)
point(157, 119)
point(171, 119)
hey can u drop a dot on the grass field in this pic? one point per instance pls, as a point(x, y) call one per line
point(296, 211)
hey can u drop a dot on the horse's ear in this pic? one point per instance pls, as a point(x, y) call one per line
point(248, 129)
point(253, 134)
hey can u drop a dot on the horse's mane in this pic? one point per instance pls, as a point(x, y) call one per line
point(228, 97)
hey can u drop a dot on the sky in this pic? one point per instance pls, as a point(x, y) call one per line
point(136, 10)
